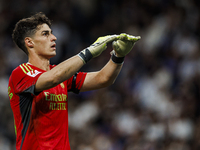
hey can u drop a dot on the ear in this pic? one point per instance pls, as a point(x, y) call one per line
point(29, 42)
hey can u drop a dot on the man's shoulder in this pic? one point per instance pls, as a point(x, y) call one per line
point(18, 73)
point(25, 69)
point(21, 69)
point(24, 74)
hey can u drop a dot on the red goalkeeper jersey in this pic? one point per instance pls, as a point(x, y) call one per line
point(41, 119)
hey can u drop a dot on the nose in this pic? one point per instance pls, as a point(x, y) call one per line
point(53, 38)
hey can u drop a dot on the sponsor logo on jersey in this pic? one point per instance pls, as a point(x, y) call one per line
point(33, 73)
point(57, 101)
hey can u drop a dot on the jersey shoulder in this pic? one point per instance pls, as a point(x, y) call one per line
point(24, 70)
point(21, 70)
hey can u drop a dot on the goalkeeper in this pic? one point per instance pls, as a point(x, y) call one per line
point(38, 91)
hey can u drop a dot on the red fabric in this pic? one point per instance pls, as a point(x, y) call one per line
point(48, 123)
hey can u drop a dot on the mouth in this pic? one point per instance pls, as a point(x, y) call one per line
point(53, 46)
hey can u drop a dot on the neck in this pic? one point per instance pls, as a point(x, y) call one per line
point(40, 62)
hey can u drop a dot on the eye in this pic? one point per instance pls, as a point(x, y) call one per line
point(45, 33)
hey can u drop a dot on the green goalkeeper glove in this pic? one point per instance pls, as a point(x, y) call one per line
point(97, 47)
point(124, 44)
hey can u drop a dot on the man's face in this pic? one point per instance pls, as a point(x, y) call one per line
point(44, 42)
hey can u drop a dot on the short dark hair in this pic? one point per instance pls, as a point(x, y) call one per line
point(27, 27)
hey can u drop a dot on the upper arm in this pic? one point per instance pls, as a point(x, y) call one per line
point(75, 83)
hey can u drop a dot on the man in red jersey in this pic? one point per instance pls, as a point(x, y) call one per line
point(38, 91)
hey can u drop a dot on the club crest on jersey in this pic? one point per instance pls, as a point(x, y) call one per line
point(33, 73)
point(62, 85)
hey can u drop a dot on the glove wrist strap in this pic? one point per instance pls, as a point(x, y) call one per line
point(85, 55)
point(117, 60)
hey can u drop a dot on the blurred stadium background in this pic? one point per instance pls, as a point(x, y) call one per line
point(154, 103)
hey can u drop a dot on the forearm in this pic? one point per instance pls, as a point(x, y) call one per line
point(110, 72)
point(112, 69)
point(58, 74)
point(103, 78)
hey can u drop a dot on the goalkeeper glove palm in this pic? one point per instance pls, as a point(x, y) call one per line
point(124, 44)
